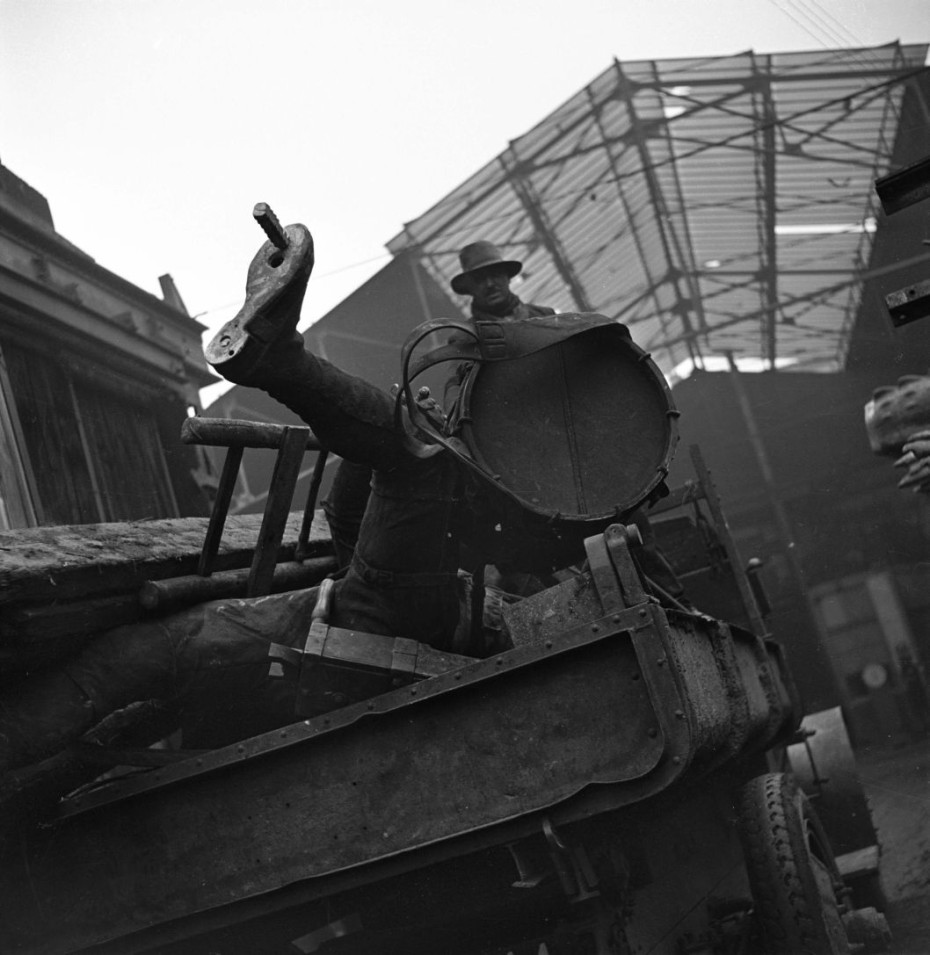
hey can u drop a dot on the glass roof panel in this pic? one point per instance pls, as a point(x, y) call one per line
point(717, 205)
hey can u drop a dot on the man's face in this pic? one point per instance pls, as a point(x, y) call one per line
point(489, 287)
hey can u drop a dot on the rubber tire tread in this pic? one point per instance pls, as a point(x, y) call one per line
point(772, 811)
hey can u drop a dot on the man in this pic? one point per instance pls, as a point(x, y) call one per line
point(486, 276)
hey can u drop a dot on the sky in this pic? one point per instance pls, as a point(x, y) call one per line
point(154, 126)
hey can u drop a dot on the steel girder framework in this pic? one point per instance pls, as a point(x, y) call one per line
point(720, 207)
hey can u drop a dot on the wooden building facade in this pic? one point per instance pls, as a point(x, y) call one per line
point(96, 378)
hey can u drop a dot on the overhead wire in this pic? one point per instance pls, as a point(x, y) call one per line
point(319, 275)
point(840, 28)
point(800, 23)
point(836, 32)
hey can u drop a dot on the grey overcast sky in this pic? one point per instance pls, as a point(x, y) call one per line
point(154, 126)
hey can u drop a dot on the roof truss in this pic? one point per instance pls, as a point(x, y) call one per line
point(719, 206)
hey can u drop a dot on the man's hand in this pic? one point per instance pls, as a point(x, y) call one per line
point(916, 459)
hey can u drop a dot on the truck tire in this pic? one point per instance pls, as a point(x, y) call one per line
point(791, 869)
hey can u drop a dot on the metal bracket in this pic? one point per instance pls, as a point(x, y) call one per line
point(619, 539)
point(569, 862)
point(903, 188)
point(530, 875)
point(908, 304)
point(612, 568)
point(574, 869)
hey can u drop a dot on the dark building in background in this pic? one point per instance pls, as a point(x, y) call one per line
point(96, 378)
point(846, 554)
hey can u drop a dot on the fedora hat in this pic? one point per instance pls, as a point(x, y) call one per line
point(479, 255)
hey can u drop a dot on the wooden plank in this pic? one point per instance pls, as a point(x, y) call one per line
point(72, 582)
point(36, 635)
point(163, 596)
point(52, 620)
point(280, 494)
point(220, 512)
point(233, 433)
point(89, 560)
